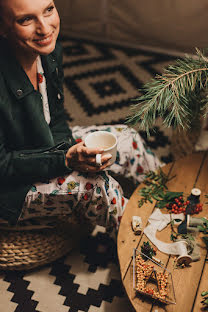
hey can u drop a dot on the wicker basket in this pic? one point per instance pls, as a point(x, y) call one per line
point(28, 249)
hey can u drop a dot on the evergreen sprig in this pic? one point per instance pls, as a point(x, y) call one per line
point(178, 95)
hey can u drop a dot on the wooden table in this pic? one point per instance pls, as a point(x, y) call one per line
point(189, 282)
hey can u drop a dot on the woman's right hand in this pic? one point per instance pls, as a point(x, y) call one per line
point(83, 159)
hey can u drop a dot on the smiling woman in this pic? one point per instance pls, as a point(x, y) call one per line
point(44, 172)
point(31, 28)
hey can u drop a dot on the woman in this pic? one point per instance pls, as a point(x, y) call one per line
point(44, 171)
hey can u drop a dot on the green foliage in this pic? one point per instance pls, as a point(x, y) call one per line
point(147, 250)
point(203, 228)
point(167, 197)
point(178, 95)
point(155, 184)
point(155, 189)
point(204, 301)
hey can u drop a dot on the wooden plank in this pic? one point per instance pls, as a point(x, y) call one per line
point(186, 171)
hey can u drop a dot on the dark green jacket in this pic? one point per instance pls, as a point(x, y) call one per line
point(30, 150)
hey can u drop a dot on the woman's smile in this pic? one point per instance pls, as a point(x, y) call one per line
point(44, 41)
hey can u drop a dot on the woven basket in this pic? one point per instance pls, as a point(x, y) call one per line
point(28, 249)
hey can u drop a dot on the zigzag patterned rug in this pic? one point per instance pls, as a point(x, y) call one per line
point(100, 81)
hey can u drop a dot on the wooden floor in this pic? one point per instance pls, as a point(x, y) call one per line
point(189, 282)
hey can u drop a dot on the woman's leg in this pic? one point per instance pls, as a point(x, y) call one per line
point(98, 197)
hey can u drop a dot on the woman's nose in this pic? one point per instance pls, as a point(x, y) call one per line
point(42, 27)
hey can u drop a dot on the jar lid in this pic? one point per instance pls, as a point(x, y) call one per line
point(196, 192)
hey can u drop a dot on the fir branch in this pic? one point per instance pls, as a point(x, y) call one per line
point(177, 96)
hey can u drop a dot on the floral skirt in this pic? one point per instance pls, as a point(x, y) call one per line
point(98, 197)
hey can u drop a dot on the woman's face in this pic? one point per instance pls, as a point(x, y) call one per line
point(31, 26)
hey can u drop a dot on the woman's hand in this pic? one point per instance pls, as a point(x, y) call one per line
point(83, 159)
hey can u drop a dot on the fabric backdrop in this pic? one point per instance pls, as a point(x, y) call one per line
point(166, 24)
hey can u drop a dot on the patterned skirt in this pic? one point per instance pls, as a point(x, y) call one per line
point(97, 197)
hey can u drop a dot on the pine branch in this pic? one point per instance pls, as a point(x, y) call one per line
point(178, 96)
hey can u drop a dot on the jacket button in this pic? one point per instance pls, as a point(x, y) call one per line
point(19, 92)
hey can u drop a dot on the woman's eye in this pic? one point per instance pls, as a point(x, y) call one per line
point(50, 9)
point(24, 20)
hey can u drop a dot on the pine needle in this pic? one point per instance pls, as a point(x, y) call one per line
point(177, 95)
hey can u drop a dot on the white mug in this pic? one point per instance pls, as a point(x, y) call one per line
point(105, 140)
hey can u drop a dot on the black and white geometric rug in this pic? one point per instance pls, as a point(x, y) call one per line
point(100, 81)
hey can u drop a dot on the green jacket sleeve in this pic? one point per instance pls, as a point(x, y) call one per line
point(30, 166)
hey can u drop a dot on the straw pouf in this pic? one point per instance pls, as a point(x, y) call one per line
point(27, 249)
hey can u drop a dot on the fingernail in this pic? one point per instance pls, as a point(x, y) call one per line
point(108, 156)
